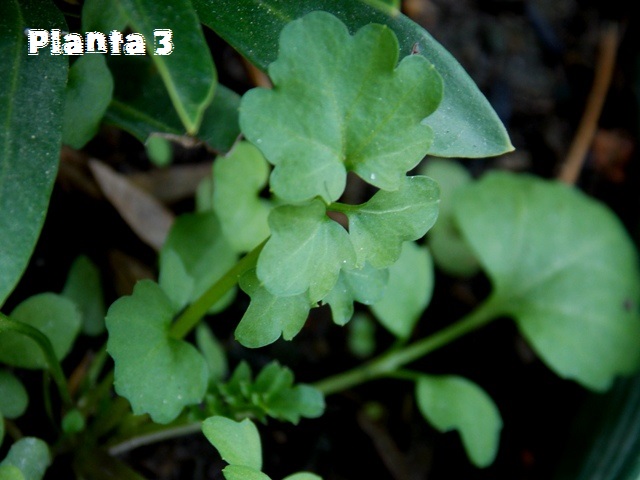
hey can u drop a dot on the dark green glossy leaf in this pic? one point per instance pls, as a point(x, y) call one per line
point(84, 288)
point(188, 72)
point(31, 103)
point(379, 227)
point(159, 375)
point(31, 456)
point(89, 91)
point(55, 316)
point(449, 402)
point(268, 315)
point(13, 396)
point(563, 267)
point(340, 103)
point(305, 252)
point(465, 125)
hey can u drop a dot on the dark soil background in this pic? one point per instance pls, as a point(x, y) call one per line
point(535, 62)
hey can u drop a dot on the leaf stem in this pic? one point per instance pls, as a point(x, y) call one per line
point(390, 361)
point(342, 207)
point(7, 324)
point(192, 315)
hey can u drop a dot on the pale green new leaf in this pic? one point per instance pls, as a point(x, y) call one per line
point(408, 291)
point(213, 353)
point(268, 315)
point(159, 375)
point(299, 401)
point(306, 252)
point(196, 241)
point(29, 455)
point(302, 476)
point(13, 396)
point(237, 442)
point(31, 102)
point(88, 94)
point(365, 285)
point(55, 316)
point(84, 288)
point(563, 267)
point(455, 403)
point(9, 472)
point(464, 125)
point(449, 250)
point(238, 179)
point(240, 472)
point(379, 227)
point(340, 102)
point(188, 72)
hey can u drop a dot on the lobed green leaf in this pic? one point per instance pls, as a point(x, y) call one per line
point(305, 252)
point(159, 375)
point(31, 102)
point(237, 442)
point(340, 103)
point(563, 267)
point(379, 227)
point(55, 316)
point(450, 402)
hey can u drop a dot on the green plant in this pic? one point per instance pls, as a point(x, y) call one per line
point(560, 264)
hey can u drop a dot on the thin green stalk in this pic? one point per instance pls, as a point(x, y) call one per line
point(7, 324)
point(342, 207)
point(391, 360)
point(163, 433)
point(192, 315)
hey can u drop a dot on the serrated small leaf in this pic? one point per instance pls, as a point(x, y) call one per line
point(205, 255)
point(212, 352)
point(88, 94)
point(84, 288)
point(31, 456)
point(365, 285)
point(302, 476)
point(13, 396)
point(340, 103)
point(188, 72)
point(299, 401)
point(238, 179)
point(408, 291)
point(451, 402)
point(269, 316)
point(563, 267)
point(379, 227)
point(55, 316)
point(305, 252)
point(159, 375)
point(450, 251)
point(240, 472)
point(237, 442)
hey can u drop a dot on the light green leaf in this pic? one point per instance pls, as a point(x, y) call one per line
point(13, 396)
point(30, 455)
point(293, 403)
point(465, 124)
point(303, 476)
point(84, 288)
point(450, 402)
point(55, 316)
point(240, 472)
point(188, 72)
point(449, 250)
point(31, 120)
point(379, 227)
point(102, 16)
point(563, 267)
point(9, 472)
point(88, 94)
point(238, 179)
point(365, 285)
point(212, 352)
point(361, 337)
point(305, 252)
point(159, 150)
point(269, 316)
point(237, 442)
point(205, 255)
point(408, 291)
point(340, 103)
point(73, 421)
point(272, 379)
point(159, 375)
point(142, 107)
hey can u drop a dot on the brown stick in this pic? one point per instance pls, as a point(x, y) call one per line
point(608, 47)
